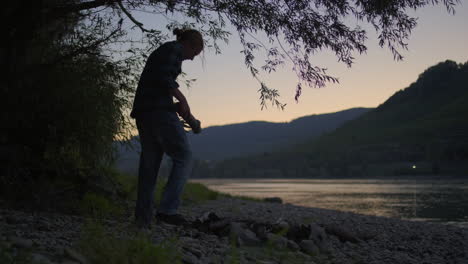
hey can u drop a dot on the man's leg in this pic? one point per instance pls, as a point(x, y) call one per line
point(176, 146)
point(150, 161)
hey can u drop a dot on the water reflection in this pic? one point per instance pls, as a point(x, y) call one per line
point(438, 200)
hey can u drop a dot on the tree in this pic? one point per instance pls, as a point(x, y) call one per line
point(53, 44)
point(63, 100)
point(296, 29)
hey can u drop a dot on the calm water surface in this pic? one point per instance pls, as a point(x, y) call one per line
point(435, 200)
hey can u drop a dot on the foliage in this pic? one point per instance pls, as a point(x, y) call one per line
point(234, 253)
point(66, 98)
point(295, 30)
point(100, 247)
point(127, 182)
point(99, 206)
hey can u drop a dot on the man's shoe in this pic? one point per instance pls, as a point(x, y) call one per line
point(173, 219)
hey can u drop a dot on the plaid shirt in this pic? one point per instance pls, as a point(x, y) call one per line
point(158, 77)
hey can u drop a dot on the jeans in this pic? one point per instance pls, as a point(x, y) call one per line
point(161, 132)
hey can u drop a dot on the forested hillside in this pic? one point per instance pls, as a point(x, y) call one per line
point(422, 129)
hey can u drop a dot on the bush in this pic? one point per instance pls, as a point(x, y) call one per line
point(99, 206)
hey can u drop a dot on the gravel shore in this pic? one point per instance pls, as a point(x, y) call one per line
point(310, 235)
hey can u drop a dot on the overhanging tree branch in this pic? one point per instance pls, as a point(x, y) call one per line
point(136, 22)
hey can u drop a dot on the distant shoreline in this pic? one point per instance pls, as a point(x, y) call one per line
point(408, 177)
point(410, 198)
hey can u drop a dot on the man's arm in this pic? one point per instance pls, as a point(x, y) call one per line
point(184, 109)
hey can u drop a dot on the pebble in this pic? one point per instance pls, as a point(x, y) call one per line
point(71, 253)
point(12, 220)
point(39, 258)
point(22, 242)
point(293, 245)
point(309, 247)
point(195, 251)
point(278, 241)
point(189, 258)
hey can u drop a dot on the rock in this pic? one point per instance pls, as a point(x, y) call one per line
point(243, 236)
point(43, 225)
point(277, 241)
point(305, 256)
point(249, 238)
point(293, 245)
point(342, 234)
point(69, 262)
point(13, 220)
point(309, 247)
point(298, 232)
point(273, 200)
point(189, 258)
point(208, 217)
point(195, 251)
point(235, 229)
point(210, 222)
point(282, 226)
point(22, 242)
point(260, 230)
point(71, 253)
point(366, 235)
point(318, 235)
point(219, 226)
point(38, 258)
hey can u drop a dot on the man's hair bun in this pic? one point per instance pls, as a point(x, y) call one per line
point(192, 35)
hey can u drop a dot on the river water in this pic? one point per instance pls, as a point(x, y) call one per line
point(418, 199)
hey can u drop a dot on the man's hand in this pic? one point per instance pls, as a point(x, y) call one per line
point(183, 108)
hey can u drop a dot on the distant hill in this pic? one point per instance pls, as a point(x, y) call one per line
point(433, 110)
point(237, 140)
point(422, 129)
point(222, 142)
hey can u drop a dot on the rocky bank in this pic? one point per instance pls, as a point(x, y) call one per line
point(231, 230)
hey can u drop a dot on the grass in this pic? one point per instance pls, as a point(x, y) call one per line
point(100, 247)
point(7, 256)
point(99, 206)
point(11, 255)
point(241, 197)
point(193, 192)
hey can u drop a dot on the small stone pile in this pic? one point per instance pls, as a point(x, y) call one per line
point(308, 238)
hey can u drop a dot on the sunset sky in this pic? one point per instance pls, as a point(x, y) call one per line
point(226, 93)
